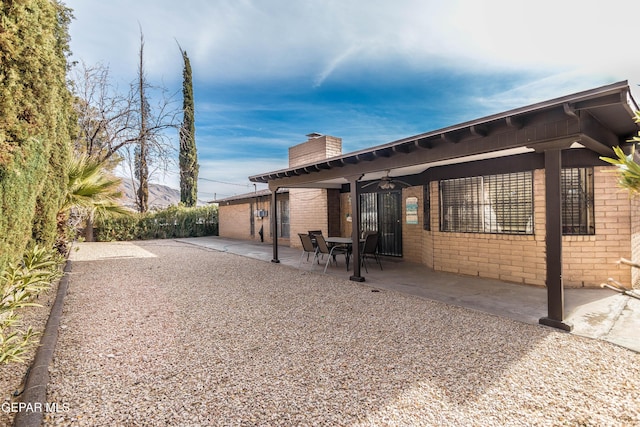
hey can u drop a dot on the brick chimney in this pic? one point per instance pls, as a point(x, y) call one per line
point(317, 148)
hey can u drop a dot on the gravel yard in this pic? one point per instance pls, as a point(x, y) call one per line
point(198, 337)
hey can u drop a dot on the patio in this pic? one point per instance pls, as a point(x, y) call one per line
point(594, 313)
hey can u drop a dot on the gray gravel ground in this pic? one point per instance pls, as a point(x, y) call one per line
point(195, 337)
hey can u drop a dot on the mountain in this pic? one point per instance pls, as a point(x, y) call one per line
point(160, 196)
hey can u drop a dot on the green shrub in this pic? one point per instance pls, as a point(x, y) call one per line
point(19, 285)
point(36, 122)
point(173, 222)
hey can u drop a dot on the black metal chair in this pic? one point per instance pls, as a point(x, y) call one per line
point(370, 249)
point(331, 253)
point(312, 234)
point(307, 248)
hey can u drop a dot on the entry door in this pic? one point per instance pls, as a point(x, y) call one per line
point(382, 212)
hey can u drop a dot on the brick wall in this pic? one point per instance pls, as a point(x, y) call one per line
point(412, 234)
point(314, 209)
point(511, 258)
point(315, 150)
point(235, 221)
point(587, 260)
point(307, 211)
point(590, 260)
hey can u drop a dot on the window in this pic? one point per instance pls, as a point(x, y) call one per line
point(283, 217)
point(577, 201)
point(488, 204)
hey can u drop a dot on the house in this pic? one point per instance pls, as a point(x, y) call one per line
point(520, 196)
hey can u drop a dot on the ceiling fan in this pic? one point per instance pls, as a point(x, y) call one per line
point(387, 183)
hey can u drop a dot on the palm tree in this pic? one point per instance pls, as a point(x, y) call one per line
point(91, 192)
point(628, 167)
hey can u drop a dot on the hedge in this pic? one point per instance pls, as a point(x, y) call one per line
point(36, 123)
point(173, 222)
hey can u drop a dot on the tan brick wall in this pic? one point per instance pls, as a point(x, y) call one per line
point(412, 234)
point(314, 209)
point(308, 211)
point(235, 223)
point(587, 260)
point(315, 150)
point(590, 260)
point(505, 257)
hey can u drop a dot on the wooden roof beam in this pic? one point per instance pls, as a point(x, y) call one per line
point(570, 111)
point(448, 138)
point(404, 148)
point(336, 163)
point(384, 152)
point(424, 143)
point(514, 122)
point(479, 130)
point(367, 156)
point(351, 160)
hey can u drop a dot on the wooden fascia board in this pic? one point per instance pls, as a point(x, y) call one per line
point(604, 101)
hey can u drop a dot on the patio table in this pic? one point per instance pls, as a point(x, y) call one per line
point(342, 241)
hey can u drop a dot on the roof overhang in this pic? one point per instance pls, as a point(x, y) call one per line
point(597, 119)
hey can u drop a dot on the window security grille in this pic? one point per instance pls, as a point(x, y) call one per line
point(488, 204)
point(577, 201)
point(283, 217)
point(427, 208)
point(369, 212)
point(382, 212)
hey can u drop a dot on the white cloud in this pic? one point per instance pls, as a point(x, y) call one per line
point(539, 90)
point(241, 39)
point(572, 44)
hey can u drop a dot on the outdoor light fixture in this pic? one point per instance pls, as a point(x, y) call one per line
point(387, 183)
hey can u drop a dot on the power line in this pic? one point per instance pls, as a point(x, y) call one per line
point(226, 183)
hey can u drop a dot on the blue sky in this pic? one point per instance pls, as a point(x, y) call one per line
point(268, 72)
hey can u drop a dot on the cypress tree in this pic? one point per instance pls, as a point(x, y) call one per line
point(142, 149)
point(36, 122)
point(188, 153)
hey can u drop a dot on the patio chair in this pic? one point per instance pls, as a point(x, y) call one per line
point(312, 234)
point(307, 248)
point(323, 248)
point(370, 249)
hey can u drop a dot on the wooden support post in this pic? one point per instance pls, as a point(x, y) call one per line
point(355, 227)
point(553, 194)
point(274, 222)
